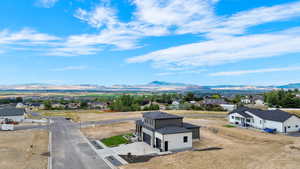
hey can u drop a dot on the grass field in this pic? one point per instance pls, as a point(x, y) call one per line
point(116, 140)
point(229, 126)
point(296, 112)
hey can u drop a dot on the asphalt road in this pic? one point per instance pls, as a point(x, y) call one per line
point(70, 149)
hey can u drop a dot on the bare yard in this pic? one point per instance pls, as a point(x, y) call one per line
point(23, 150)
point(97, 115)
point(238, 149)
point(105, 131)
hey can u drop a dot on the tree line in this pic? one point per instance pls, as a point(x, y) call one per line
point(283, 99)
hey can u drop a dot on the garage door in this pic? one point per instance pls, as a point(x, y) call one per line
point(147, 138)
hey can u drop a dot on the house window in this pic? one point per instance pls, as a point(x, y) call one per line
point(185, 139)
point(232, 117)
point(259, 121)
point(297, 126)
point(289, 126)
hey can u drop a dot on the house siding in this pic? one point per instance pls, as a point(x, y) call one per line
point(175, 141)
point(292, 122)
point(168, 122)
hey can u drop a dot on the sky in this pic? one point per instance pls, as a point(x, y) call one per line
point(106, 42)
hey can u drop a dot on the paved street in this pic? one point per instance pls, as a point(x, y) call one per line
point(70, 149)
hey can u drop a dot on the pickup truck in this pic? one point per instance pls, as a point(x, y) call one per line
point(7, 127)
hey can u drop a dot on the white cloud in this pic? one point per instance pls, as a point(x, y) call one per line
point(98, 17)
point(173, 12)
point(69, 68)
point(239, 22)
point(230, 49)
point(46, 3)
point(165, 17)
point(243, 72)
point(227, 40)
point(25, 35)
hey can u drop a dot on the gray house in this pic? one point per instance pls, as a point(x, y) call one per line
point(13, 114)
point(166, 132)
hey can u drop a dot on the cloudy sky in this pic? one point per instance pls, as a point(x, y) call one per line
point(204, 42)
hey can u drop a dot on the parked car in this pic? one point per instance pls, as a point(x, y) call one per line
point(268, 130)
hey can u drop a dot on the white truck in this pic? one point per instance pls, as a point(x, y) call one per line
point(7, 127)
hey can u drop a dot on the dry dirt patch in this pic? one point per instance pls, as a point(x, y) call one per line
point(241, 149)
point(108, 116)
point(105, 131)
point(23, 149)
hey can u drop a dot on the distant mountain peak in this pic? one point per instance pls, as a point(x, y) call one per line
point(290, 86)
point(163, 83)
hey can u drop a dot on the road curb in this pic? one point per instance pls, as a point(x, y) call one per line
point(50, 150)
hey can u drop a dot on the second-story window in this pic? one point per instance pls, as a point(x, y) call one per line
point(185, 139)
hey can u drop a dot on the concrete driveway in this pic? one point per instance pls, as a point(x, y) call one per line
point(70, 149)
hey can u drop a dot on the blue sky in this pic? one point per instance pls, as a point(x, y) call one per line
point(204, 42)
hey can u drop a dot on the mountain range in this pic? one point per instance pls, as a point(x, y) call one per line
point(152, 86)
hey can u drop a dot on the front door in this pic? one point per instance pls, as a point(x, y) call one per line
point(166, 146)
point(158, 143)
point(284, 129)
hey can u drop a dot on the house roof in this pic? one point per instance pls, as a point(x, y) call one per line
point(160, 115)
point(11, 112)
point(172, 130)
point(272, 115)
point(189, 125)
point(241, 111)
point(214, 101)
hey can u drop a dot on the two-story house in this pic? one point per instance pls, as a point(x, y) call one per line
point(166, 132)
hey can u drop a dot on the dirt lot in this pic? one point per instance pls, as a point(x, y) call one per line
point(104, 131)
point(97, 115)
point(240, 148)
point(16, 151)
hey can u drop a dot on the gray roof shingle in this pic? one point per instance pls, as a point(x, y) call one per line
point(11, 112)
point(189, 125)
point(160, 115)
point(173, 130)
point(272, 115)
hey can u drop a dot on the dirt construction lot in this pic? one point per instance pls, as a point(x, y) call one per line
point(239, 148)
point(97, 115)
point(104, 131)
point(16, 151)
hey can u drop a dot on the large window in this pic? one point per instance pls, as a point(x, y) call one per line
point(185, 139)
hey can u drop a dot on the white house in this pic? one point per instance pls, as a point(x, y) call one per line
point(228, 107)
point(259, 102)
point(282, 121)
point(246, 101)
point(13, 114)
point(166, 132)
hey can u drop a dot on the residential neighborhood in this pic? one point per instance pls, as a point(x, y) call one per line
point(150, 84)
